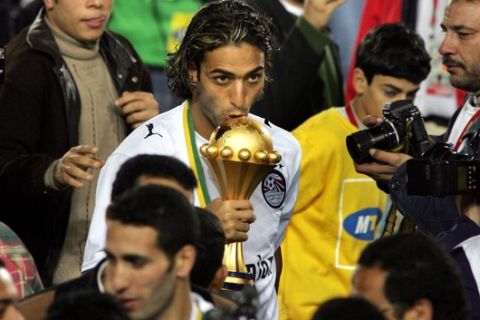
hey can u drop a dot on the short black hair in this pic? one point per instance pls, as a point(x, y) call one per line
point(348, 308)
point(392, 49)
point(86, 305)
point(417, 268)
point(152, 165)
point(218, 24)
point(210, 248)
point(164, 209)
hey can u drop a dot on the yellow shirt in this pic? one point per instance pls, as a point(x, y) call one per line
point(334, 218)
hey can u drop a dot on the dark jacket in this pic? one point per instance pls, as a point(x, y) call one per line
point(452, 239)
point(431, 214)
point(39, 119)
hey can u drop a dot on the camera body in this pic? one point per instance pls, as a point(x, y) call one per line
point(442, 172)
point(402, 130)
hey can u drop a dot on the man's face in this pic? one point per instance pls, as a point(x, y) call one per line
point(83, 20)
point(229, 81)
point(139, 274)
point(371, 98)
point(368, 284)
point(461, 46)
point(8, 298)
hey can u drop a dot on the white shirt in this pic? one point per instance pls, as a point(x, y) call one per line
point(463, 118)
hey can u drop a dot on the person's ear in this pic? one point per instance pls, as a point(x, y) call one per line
point(49, 4)
point(219, 279)
point(193, 73)
point(421, 310)
point(360, 82)
point(184, 261)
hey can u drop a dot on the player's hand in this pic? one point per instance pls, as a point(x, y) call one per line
point(235, 216)
point(137, 107)
point(72, 168)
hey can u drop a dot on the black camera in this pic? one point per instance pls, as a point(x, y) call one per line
point(246, 301)
point(402, 130)
point(442, 171)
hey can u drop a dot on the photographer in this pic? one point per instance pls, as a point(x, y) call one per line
point(459, 49)
point(461, 23)
point(337, 208)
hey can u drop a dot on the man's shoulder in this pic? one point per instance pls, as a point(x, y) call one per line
point(158, 135)
point(279, 135)
point(26, 56)
point(18, 47)
point(329, 122)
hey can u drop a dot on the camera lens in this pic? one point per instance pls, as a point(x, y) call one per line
point(382, 136)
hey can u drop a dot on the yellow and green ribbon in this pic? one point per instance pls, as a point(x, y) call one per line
point(193, 155)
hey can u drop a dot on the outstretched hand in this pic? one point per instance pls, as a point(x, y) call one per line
point(71, 169)
point(319, 12)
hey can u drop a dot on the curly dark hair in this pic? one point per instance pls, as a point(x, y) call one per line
point(418, 268)
point(394, 50)
point(218, 24)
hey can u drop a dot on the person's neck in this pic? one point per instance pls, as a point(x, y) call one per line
point(181, 306)
point(469, 206)
point(358, 109)
point(202, 126)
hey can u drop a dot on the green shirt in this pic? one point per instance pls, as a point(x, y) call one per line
point(154, 27)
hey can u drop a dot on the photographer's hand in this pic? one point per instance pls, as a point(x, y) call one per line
point(385, 165)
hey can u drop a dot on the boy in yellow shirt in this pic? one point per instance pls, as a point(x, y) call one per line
point(337, 208)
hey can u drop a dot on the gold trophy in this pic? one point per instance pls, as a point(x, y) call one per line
point(240, 155)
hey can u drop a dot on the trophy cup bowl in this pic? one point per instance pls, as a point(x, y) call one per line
point(240, 154)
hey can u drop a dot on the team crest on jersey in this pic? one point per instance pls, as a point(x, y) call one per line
point(273, 189)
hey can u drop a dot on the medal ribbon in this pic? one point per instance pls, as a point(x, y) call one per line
point(193, 155)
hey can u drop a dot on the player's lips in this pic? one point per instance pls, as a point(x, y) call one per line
point(236, 115)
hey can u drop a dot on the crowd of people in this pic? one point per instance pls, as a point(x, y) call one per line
point(109, 210)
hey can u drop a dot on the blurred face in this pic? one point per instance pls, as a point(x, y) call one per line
point(368, 284)
point(371, 98)
point(8, 298)
point(145, 180)
point(83, 20)
point(229, 81)
point(139, 274)
point(461, 45)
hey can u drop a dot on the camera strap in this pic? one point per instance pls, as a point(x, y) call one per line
point(465, 129)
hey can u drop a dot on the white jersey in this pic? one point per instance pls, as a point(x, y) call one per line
point(273, 200)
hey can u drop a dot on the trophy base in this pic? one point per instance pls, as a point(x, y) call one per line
point(235, 281)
